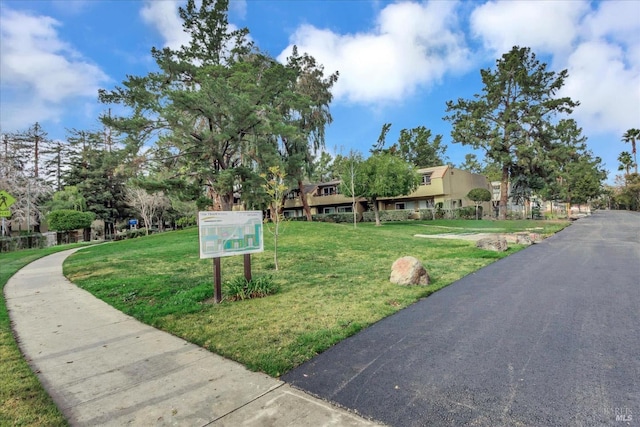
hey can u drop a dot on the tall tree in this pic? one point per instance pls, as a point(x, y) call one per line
point(31, 143)
point(305, 116)
point(471, 164)
point(322, 168)
point(416, 147)
point(218, 105)
point(11, 160)
point(413, 146)
point(512, 119)
point(573, 173)
point(100, 178)
point(56, 160)
point(626, 162)
point(67, 199)
point(631, 136)
point(386, 175)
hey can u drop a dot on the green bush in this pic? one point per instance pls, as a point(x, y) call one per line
point(468, 212)
point(387, 216)
point(31, 241)
point(67, 220)
point(334, 217)
point(133, 233)
point(427, 214)
point(240, 289)
point(186, 221)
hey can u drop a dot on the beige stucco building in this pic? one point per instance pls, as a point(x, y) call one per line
point(442, 185)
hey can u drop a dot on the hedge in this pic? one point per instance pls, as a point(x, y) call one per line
point(67, 220)
point(387, 216)
point(334, 217)
point(10, 244)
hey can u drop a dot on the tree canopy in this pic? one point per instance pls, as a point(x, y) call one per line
point(513, 119)
point(385, 175)
point(414, 146)
point(220, 110)
point(631, 136)
point(67, 220)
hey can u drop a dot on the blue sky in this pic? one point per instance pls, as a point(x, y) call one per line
point(399, 62)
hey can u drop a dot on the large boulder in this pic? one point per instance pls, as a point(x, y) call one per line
point(409, 271)
point(497, 244)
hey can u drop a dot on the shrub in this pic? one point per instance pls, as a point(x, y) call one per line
point(186, 221)
point(468, 212)
point(427, 214)
point(334, 217)
point(387, 216)
point(240, 289)
point(67, 220)
point(31, 241)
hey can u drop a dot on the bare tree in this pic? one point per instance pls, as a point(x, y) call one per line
point(148, 205)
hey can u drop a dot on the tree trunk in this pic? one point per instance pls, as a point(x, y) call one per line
point(504, 193)
point(303, 199)
point(375, 211)
point(222, 202)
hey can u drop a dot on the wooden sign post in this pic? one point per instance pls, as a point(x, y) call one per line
point(226, 234)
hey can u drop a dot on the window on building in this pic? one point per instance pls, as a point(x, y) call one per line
point(343, 209)
point(328, 191)
point(426, 179)
point(293, 194)
point(328, 210)
point(400, 206)
point(426, 204)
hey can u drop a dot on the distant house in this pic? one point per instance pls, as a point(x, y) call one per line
point(442, 186)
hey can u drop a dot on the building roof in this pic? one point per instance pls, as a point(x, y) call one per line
point(436, 171)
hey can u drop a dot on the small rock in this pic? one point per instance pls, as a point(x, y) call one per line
point(409, 271)
point(497, 244)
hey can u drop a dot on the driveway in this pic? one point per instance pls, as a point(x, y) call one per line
point(546, 337)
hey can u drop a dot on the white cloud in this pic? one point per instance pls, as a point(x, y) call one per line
point(618, 19)
point(550, 26)
point(42, 68)
point(608, 90)
point(163, 15)
point(600, 48)
point(239, 7)
point(412, 45)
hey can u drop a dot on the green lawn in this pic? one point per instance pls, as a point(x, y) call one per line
point(23, 401)
point(333, 281)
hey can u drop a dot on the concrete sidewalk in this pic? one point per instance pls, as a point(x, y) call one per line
point(105, 368)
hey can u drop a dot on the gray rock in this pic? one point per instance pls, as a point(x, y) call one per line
point(409, 271)
point(497, 244)
point(523, 239)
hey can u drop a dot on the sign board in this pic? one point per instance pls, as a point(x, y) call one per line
point(230, 233)
point(6, 200)
point(133, 222)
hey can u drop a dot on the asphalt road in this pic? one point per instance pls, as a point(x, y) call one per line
point(549, 336)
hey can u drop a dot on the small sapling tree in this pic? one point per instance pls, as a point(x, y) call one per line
point(275, 188)
point(479, 195)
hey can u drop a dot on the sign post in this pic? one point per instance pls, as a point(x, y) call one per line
point(229, 233)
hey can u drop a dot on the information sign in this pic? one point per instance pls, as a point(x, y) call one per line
point(230, 233)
